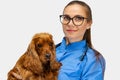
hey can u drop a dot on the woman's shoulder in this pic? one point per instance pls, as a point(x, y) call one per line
point(57, 45)
point(94, 55)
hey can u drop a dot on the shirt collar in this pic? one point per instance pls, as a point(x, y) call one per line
point(73, 46)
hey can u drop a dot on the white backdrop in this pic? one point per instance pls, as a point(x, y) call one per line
point(21, 19)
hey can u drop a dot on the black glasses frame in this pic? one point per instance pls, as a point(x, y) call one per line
point(72, 19)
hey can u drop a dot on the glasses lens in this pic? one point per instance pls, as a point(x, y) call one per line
point(64, 19)
point(78, 20)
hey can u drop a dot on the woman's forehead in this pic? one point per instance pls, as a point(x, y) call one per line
point(75, 9)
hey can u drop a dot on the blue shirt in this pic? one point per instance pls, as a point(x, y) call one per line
point(73, 68)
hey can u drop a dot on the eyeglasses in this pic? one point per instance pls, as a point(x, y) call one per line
point(77, 20)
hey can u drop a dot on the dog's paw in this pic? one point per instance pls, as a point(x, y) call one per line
point(17, 76)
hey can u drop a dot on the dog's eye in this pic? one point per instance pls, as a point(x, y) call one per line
point(39, 45)
point(51, 44)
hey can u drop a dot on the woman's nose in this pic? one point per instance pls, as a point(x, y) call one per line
point(71, 23)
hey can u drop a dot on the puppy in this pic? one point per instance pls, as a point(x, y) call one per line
point(38, 62)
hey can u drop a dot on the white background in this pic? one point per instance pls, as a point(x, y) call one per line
point(21, 19)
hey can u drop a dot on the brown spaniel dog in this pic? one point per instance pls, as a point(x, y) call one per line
point(38, 62)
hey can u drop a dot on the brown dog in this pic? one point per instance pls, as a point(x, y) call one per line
point(38, 62)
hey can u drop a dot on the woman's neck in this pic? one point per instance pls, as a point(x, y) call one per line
point(68, 41)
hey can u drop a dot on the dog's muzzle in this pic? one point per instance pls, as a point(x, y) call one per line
point(47, 56)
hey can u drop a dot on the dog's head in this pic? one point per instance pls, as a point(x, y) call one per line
point(41, 54)
point(43, 46)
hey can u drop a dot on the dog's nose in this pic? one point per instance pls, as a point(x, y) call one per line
point(47, 55)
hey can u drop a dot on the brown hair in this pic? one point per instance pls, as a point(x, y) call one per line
point(87, 35)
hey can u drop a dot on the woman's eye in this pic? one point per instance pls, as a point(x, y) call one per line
point(66, 18)
point(78, 18)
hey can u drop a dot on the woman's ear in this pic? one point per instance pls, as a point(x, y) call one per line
point(89, 25)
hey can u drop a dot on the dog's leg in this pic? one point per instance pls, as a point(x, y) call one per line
point(17, 76)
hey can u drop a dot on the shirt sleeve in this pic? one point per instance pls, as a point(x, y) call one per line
point(94, 68)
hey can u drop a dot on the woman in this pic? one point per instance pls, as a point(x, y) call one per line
point(80, 61)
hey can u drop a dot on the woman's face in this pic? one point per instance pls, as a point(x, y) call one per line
point(72, 32)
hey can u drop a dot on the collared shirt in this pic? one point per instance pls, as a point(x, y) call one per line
point(73, 68)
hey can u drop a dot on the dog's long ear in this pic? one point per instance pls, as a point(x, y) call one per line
point(31, 48)
point(32, 61)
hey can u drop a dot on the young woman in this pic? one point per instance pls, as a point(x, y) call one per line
point(80, 61)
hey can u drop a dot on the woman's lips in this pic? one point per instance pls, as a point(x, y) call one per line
point(71, 30)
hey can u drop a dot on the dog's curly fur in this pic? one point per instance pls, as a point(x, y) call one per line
point(38, 62)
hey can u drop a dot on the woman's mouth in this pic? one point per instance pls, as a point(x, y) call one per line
point(70, 31)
